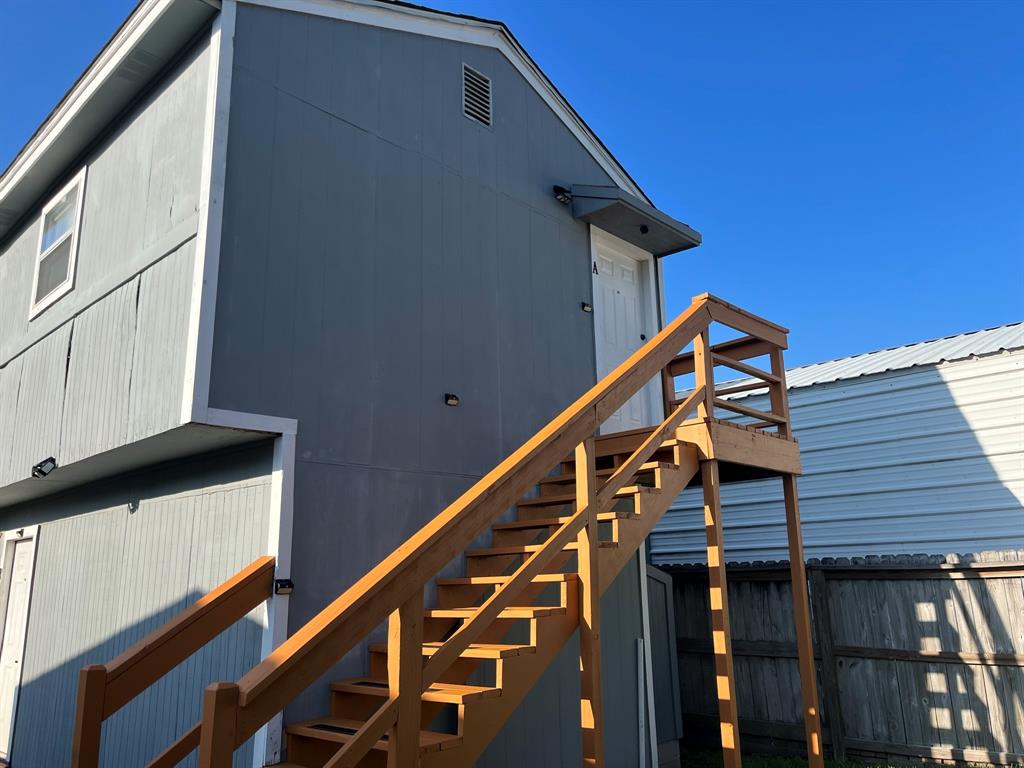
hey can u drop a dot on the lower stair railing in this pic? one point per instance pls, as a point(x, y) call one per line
point(393, 591)
point(103, 689)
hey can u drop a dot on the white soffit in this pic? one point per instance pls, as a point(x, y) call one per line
point(419, 20)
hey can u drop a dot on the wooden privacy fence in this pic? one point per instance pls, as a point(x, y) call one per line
point(917, 657)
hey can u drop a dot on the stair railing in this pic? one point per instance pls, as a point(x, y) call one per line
point(393, 590)
point(103, 689)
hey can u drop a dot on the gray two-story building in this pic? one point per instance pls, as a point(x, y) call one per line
point(286, 277)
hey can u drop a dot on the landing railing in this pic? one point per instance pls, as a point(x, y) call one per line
point(765, 339)
point(394, 589)
point(103, 689)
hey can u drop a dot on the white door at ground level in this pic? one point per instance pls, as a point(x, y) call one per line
point(619, 313)
point(12, 650)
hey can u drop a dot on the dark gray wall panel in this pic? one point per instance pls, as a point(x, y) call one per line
point(116, 560)
point(141, 201)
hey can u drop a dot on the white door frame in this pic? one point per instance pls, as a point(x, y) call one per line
point(10, 539)
point(600, 239)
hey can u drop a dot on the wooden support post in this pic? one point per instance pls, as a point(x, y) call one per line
point(721, 640)
point(405, 681)
point(802, 619)
point(220, 721)
point(829, 669)
point(85, 748)
point(591, 704)
point(704, 373)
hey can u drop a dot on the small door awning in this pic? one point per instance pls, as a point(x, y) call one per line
point(624, 215)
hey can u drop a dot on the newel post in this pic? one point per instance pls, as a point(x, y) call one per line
point(405, 680)
point(219, 725)
point(85, 748)
point(591, 700)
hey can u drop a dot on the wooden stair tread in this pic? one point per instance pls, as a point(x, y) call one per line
point(609, 471)
point(445, 693)
point(475, 651)
point(566, 498)
point(525, 549)
point(341, 730)
point(514, 612)
point(462, 581)
point(551, 522)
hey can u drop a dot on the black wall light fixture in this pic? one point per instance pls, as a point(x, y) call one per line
point(283, 586)
point(562, 195)
point(451, 399)
point(586, 306)
point(44, 467)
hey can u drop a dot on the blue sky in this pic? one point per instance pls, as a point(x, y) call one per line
point(856, 169)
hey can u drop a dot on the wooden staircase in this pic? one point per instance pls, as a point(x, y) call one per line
point(449, 676)
point(544, 618)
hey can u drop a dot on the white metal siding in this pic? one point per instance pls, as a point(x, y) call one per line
point(928, 459)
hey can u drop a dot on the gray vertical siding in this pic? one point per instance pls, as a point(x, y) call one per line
point(110, 376)
point(115, 561)
point(127, 309)
point(379, 249)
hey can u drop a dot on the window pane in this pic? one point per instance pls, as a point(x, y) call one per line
point(53, 270)
point(59, 219)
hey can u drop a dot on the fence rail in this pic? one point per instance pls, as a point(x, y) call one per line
point(916, 658)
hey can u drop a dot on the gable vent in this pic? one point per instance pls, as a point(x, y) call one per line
point(476, 95)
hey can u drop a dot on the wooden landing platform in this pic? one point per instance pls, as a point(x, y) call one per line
point(744, 453)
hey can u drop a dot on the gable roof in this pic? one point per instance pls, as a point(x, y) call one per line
point(155, 33)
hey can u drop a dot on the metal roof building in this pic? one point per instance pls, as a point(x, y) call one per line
point(914, 449)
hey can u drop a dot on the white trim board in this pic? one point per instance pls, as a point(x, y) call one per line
point(267, 740)
point(199, 350)
point(9, 540)
point(423, 21)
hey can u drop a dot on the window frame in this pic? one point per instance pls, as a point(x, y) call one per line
point(35, 308)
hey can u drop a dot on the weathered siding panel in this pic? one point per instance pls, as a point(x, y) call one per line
point(99, 376)
point(141, 200)
point(926, 460)
point(40, 408)
point(161, 335)
point(111, 376)
point(115, 561)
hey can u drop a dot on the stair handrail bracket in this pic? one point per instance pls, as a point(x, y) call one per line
point(388, 590)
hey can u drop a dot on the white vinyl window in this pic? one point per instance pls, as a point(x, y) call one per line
point(58, 245)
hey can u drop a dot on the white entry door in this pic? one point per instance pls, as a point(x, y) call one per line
point(19, 557)
point(623, 318)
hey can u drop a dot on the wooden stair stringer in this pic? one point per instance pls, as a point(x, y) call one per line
point(485, 718)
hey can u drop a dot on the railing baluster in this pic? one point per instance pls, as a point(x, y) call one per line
point(591, 706)
point(704, 370)
point(405, 680)
point(777, 391)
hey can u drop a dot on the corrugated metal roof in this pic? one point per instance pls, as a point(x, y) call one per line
point(962, 346)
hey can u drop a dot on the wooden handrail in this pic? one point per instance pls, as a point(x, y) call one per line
point(753, 413)
point(310, 652)
point(106, 688)
point(233, 712)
